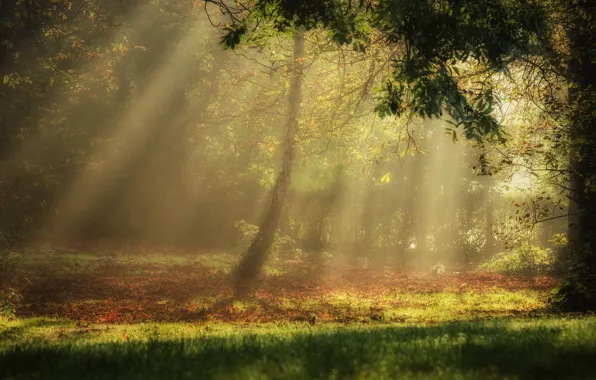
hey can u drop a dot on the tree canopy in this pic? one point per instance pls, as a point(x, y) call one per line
point(429, 41)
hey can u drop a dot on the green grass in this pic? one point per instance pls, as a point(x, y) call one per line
point(67, 261)
point(550, 348)
point(369, 324)
point(397, 307)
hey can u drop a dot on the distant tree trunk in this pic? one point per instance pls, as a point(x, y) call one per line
point(489, 249)
point(251, 264)
point(367, 219)
point(580, 291)
point(327, 201)
point(490, 245)
point(407, 228)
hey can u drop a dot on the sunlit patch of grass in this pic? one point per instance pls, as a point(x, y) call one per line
point(217, 261)
point(164, 301)
point(241, 305)
point(176, 286)
point(416, 308)
point(55, 261)
point(206, 301)
point(542, 348)
point(162, 259)
point(273, 271)
point(91, 301)
point(445, 306)
point(65, 261)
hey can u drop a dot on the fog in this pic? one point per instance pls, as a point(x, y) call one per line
point(162, 137)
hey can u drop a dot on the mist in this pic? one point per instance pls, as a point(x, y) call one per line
point(257, 189)
point(169, 139)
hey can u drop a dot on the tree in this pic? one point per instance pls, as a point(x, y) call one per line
point(251, 264)
point(580, 18)
point(430, 41)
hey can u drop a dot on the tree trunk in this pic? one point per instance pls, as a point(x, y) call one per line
point(327, 202)
point(250, 266)
point(490, 247)
point(365, 237)
point(580, 291)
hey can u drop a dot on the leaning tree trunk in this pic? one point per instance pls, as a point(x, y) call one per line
point(580, 291)
point(251, 264)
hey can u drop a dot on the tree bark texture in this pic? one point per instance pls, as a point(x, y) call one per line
point(580, 292)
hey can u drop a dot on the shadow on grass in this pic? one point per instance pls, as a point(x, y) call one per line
point(459, 350)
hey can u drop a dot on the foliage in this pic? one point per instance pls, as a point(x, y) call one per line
point(282, 245)
point(9, 296)
point(559, 241)
point(81, 76)
point(247, 232)
point(577, 293)
point(525, 259)
point(103, 64)
point(430, 40)
point(8, 303)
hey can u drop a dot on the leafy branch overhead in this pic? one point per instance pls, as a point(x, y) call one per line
point(430, 39)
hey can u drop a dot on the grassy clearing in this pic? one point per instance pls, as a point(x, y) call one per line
point(506, 349)
point(147, 313)
point(64, 259)
point(121, 285)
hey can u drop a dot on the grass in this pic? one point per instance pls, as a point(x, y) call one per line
point(147, 284)
point(547, 348)
point(165, 314)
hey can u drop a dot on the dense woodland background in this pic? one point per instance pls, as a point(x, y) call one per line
point(129, 121)
point(297, 189)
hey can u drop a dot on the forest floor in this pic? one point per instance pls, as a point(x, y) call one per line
point(163, 313)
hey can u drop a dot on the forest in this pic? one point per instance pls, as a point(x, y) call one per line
point(272, 189)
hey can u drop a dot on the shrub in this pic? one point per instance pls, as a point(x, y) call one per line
point(7, 303)
point(247, 234)
point(281, 244)
point(525, 259)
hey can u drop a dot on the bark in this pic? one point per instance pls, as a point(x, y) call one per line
point(580, 291)
point(249, 268)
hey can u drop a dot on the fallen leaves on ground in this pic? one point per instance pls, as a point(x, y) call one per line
point(337, 294)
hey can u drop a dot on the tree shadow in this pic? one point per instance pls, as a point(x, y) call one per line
point(443, 351)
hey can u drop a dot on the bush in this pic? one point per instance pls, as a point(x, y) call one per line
point(247, 234)
point(526, 259)
point(7, 303)
point(281, 244)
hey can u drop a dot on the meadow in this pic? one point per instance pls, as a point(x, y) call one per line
point(165, 313)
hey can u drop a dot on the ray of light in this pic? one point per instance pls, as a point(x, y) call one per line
point(142, 21)
point(133, 131)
